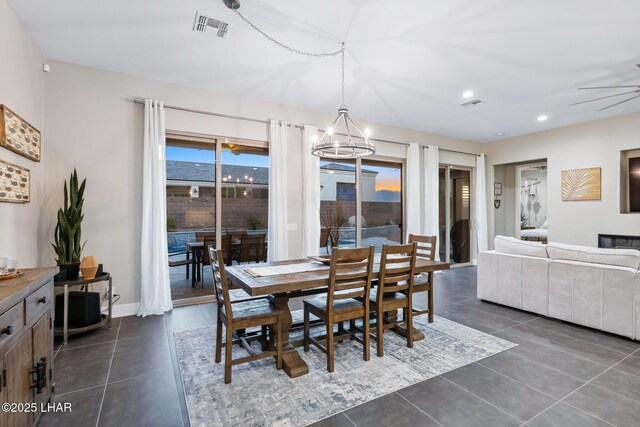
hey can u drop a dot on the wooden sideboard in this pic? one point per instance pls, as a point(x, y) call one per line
point(26, 345)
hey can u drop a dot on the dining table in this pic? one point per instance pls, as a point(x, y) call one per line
point(283, 280)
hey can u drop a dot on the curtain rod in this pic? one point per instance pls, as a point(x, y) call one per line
point(249, 119)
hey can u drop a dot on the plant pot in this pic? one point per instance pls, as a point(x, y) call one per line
point(61, 276)
point(72, 270)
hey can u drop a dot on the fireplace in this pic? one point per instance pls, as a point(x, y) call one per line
point(617, 241)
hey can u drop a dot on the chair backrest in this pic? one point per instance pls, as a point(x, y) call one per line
point(202, 235)
point(350, 274)
point(397, 269)
point(252, 248)
point(225, 247)
point(426, 246)
point(208, 242)
point(220, 281)
point(324, 237)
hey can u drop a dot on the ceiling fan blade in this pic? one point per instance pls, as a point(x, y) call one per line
point(621, 102)
point(608, 87)
point(605, 97)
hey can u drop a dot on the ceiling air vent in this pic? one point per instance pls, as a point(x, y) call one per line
point(472, 103)
point(201, 23)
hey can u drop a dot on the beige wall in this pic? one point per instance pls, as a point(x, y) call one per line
point(92, 125)
point(22, 90)
point(593, 144)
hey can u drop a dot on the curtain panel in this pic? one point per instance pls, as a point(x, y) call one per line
point(154, 258)
point(431, 191)
point(413, 222)
point(277, 246)
point(310, 193)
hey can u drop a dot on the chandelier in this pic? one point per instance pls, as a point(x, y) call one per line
point(343, 139)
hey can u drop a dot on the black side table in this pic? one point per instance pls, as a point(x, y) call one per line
point(105, 319)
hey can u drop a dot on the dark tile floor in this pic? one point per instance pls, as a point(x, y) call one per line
point(559, 375)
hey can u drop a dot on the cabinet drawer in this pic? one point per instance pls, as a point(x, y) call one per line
point(11, 322)
point(38, 301)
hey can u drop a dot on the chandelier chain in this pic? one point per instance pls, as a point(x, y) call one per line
point(289, 48)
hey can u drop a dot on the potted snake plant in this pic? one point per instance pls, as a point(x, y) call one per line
point(67, 236)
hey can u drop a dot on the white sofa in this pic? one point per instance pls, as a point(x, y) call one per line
point(598, 288)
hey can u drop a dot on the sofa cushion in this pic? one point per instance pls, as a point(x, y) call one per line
point(511, 245)
point(619, 257)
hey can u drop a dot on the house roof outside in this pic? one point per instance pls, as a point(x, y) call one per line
point(205, 172)
point(178, 170)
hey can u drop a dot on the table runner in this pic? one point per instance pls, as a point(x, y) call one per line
point(277, 270)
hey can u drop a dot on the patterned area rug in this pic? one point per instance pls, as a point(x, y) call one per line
point(260, 395)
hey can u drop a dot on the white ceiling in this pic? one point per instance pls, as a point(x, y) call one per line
point(407, 61)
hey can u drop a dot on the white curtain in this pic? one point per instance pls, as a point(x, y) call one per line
point(310, 193)
point(155, 286)
point(413, 191)
point(431, 190)
point(481, 204)
point(277, 238)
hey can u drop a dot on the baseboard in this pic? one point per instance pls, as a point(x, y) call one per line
point(122, 310)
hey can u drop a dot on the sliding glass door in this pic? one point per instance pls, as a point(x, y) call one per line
point(455, 214)
point(217, 192)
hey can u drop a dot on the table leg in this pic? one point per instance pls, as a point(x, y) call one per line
point(65, 316)
point(292, 362)
point(193, 268)
point(430, 297)
point(187, 266)
point(392, 316)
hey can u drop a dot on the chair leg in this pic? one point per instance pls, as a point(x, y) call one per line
point(219, 339)
point(352, 327)
point(366, 337)
point(430, 304)
point(279, 344)
point(306, 329)
point(227, 356)
point(263, 340)
point(408, 323)
point(329, 345)
point(380, 332)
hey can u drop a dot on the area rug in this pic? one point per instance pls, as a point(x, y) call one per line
point(261, 395)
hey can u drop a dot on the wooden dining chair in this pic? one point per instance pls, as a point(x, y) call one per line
point(202, 235)
point(252, 248)
point(241, 315)
point(350, 277)
point(426, 248)
point(225, 247)
point(394, 289)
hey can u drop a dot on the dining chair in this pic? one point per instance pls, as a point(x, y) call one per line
point(350, 277)
point(241, 315)
point(252, 248)
point(426, 248)
point(394, 289)
point(202, 235)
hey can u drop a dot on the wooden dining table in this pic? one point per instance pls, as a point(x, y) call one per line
point(281, 288)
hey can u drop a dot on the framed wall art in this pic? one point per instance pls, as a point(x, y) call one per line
point(15, 183)
point(17, 135)
point(581, 184)
point(497, 189)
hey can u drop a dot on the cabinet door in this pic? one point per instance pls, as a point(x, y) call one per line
point(17, 364)
point(42, 347)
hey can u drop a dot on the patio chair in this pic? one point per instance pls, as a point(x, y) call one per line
point(202, 235)
point(225, 247)
point(252, 248)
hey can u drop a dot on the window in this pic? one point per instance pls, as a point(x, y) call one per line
point(380, 207)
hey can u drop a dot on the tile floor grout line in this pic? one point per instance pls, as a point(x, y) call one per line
point(80, 389)
point(536, 316)
point(559, 349)
point(560, 402)
point(513, 326)
point(352, 422)
point(419, 409)
point(478, 397)
point(85, 346)
point(591, 380)
point(104, 392)
point(581, 340)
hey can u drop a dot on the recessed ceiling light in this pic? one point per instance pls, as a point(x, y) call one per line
point(542, 118)
point(468, 94)
point(499, 133)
